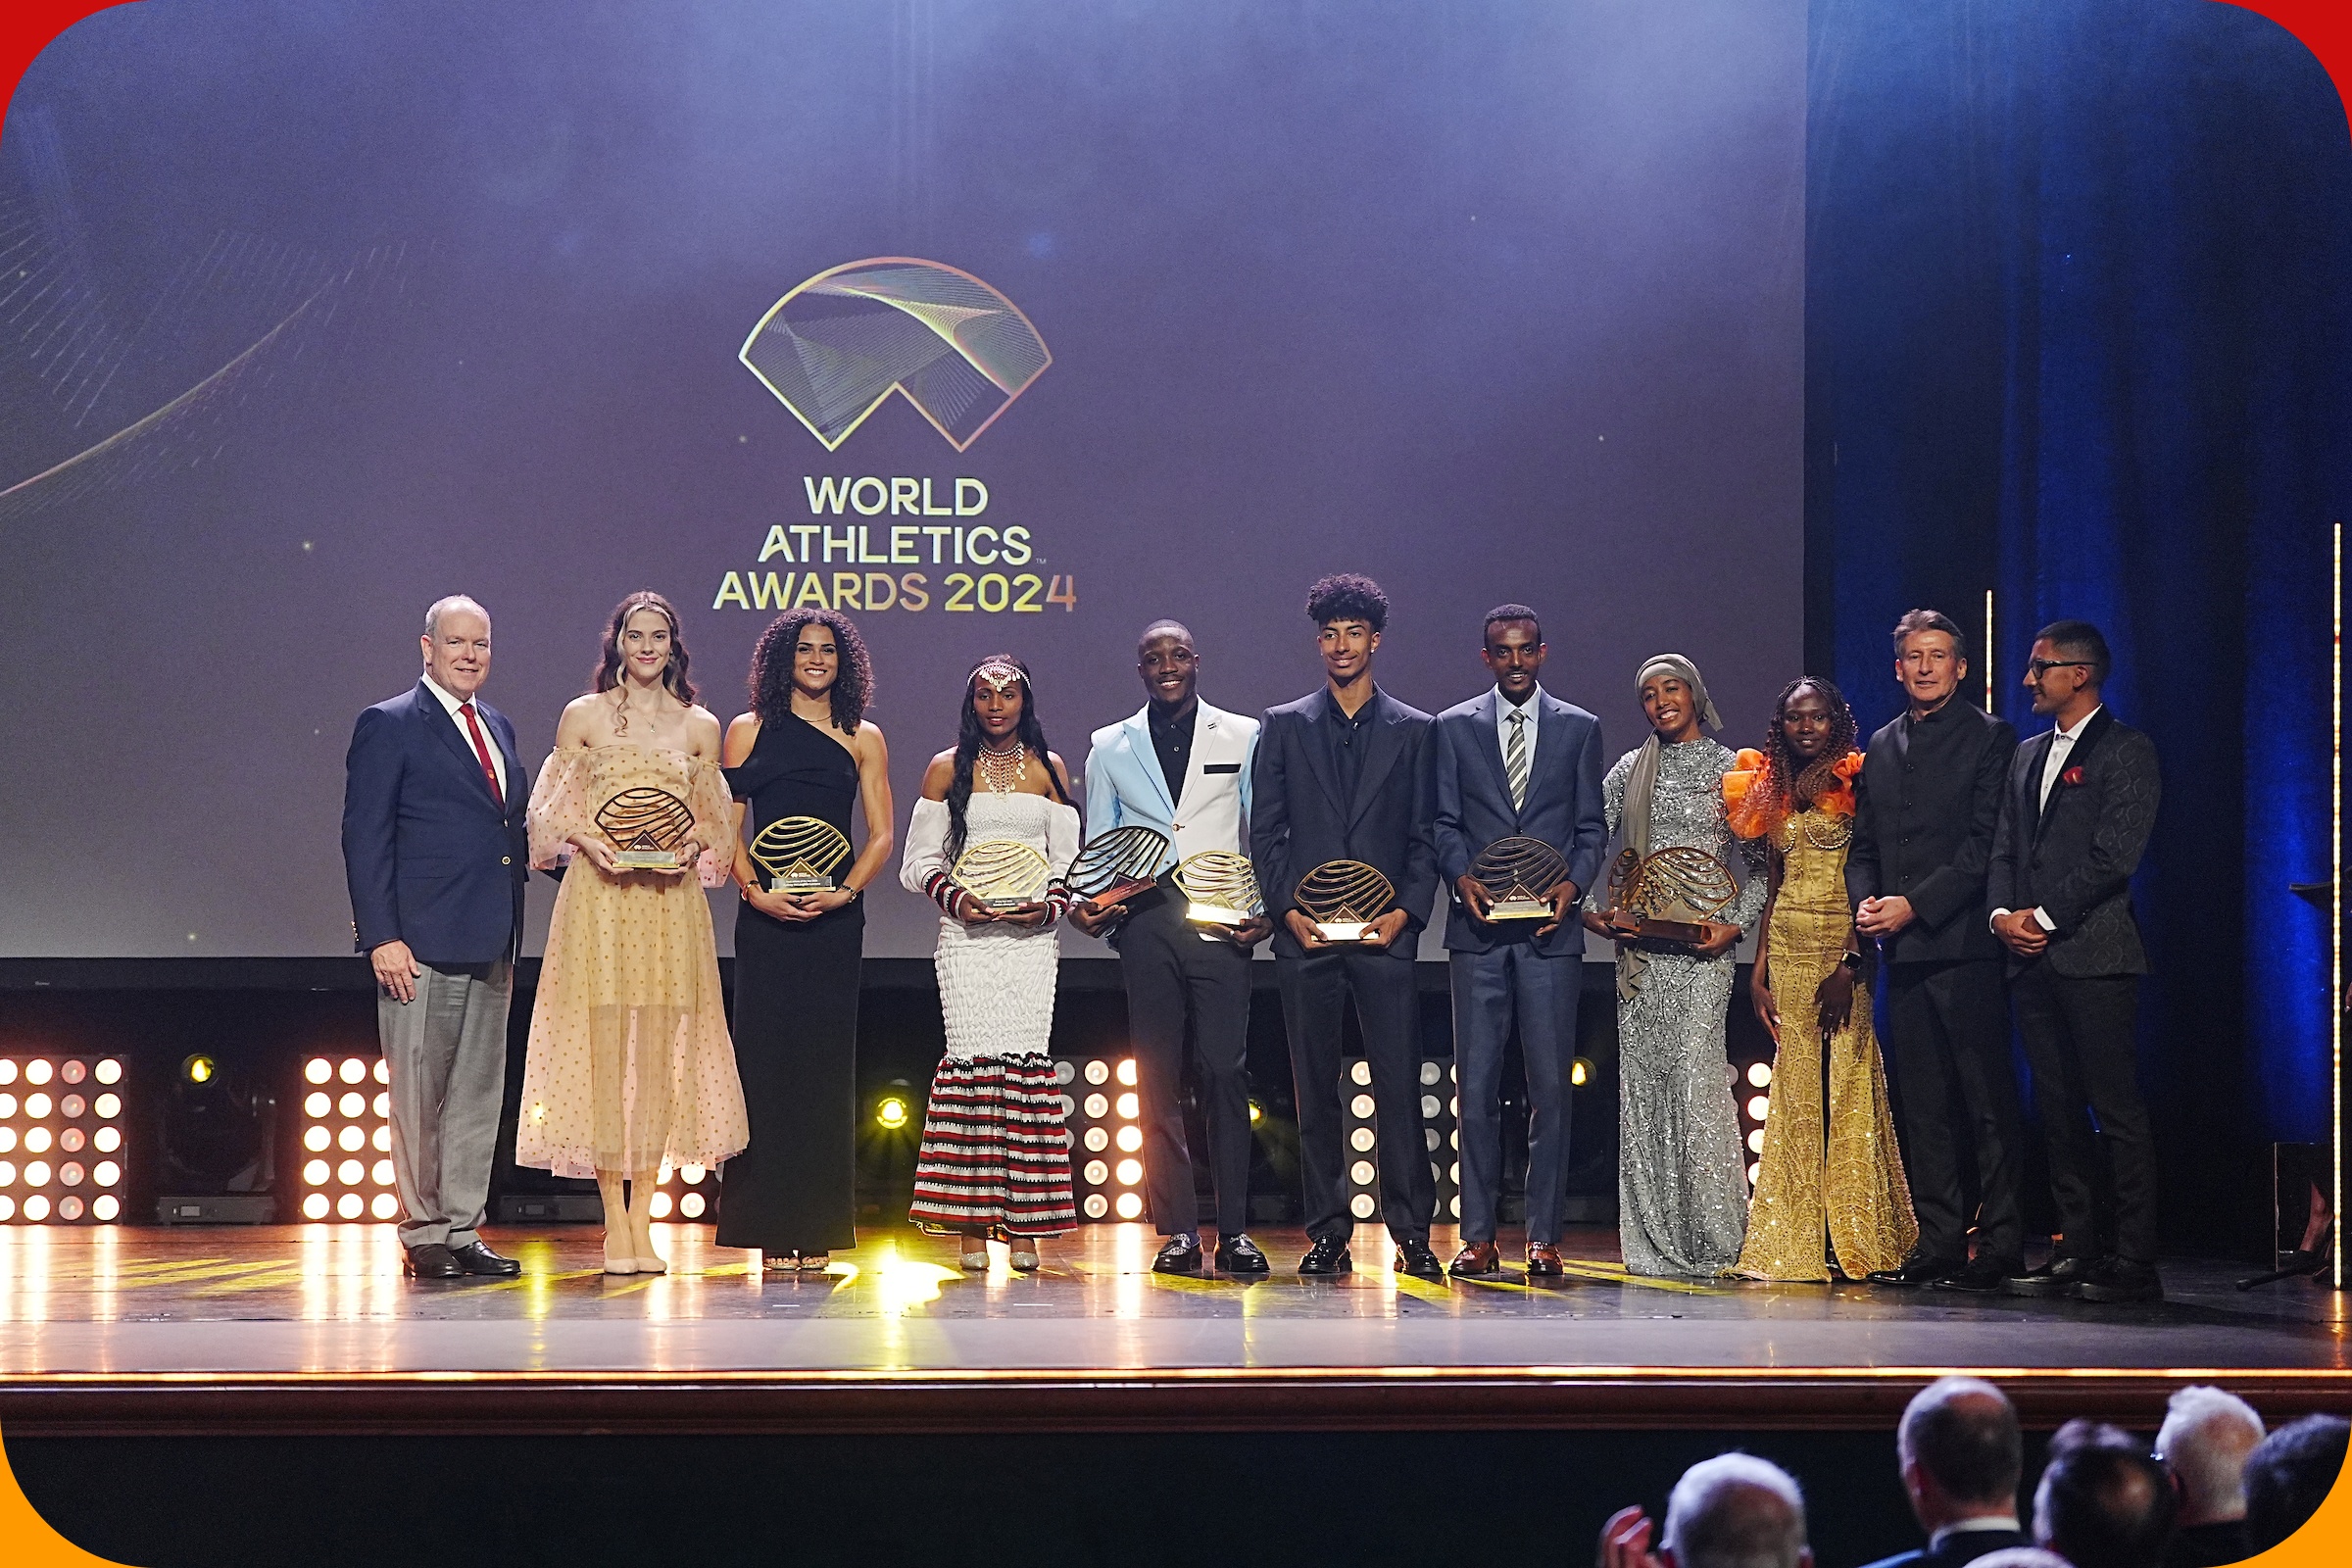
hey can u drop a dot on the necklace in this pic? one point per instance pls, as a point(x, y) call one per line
point(1832, 834)
point(1001, 770)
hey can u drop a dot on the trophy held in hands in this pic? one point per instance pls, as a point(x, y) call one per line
point(1670, 896)
point(1519, 874)
point(1221, 887)
point(646, 827)
point(1117, 865)
point(1002, 873)
point(799, 854)
point(1343, 898)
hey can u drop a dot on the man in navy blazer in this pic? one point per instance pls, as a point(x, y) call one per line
point(1515, 761)
point(1962, 1455)
point(1343, 774)
point(436, 853)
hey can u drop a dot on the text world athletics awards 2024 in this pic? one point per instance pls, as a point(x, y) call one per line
point(828, 566)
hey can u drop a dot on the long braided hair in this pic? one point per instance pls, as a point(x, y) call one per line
point(969, 736)
point(772, 662)
point(1781, 785)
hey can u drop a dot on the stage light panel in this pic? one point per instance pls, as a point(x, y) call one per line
point(1097, 1130)
point(8, 1140)
point(659, 1206)
point(1440, 1126)
point(1755, 1139)
point(8, 1105)
point(691, 1206)
point(1093, 1207)
point(1363, 1206)
point(380, 1140)
point(7, 1208)
point(106, 1140)
point(1362, 1174)
point(1131, 1139)
point(58, 1131)
point(342, 1125)
point(1128, 1106)
point(37, 1105)
point(383, 1206)
point(315, 1138)
point(1126, 1071)
point(1753, 1173)
point(8, 1173)
point(350, 1206)
point(1097, 1173)
point(108, 1071)
point(8, 1070)
point(104, 1209)
point(37, 1209)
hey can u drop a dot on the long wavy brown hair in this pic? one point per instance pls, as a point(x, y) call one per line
point(607, 664)
point(771, 667)
point(1782, 787)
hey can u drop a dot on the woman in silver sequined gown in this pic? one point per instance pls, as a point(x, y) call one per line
point(1682, 1183)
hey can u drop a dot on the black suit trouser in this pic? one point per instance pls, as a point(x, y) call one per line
point(1180, 990)
point(2080, 1043)
point(1950, 1037)
point(1512, 980)
point(1313, 990)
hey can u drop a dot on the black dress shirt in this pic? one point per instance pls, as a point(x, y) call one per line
point(1172, 739)
point(1347, 739)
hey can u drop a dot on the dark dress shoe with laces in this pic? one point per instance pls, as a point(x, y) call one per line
point(1479, 1261)
point(1414, 1257)
point(1543, 1262)
point(2058, 1277)
point(1329, 1256)
point(432, 1262)
point(1178, 1254)
point(475, 1258)
point(2118, 1279)
point(1239, 1254)
point(1984, 1276)
point(1917, 1270)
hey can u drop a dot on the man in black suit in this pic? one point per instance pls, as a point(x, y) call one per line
point(1345, 774)
point(1925, 810)
point(1962, 1456)
point(2075, 820)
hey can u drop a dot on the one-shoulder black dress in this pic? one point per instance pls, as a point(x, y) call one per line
point(794, 1188)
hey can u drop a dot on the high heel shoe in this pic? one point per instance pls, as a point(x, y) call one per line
point(974, 1258)
point(650, 1264)
point(1024, 1255)
point(815, 1262)
point(617, 1266)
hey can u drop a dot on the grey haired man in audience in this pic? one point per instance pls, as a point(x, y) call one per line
point(2206, 1436)
point(1732, 1511)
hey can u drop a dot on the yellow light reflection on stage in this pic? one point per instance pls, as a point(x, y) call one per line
point(1131, 1247)
point(901, 1283)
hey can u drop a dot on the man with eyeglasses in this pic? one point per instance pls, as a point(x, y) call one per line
point(2075, 820)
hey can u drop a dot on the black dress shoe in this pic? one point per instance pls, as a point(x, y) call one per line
point(1984, 1276)
point(1917, 1270)
point(2058, 1277)
point(1414, 1257)
point(1178, 1254)
point(1329, 1256)
point(1239, 1254)
point(2118, 1279)
point(475, 1258)
point(432, 1262)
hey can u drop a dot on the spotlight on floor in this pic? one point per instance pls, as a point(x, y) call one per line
point(216, 1146)
point(890, 1112)
point(1579, 1073)
point(197, 1069)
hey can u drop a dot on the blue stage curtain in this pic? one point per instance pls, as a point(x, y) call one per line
point(2077, 282)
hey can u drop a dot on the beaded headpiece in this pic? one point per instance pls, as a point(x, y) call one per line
point(1000, 676)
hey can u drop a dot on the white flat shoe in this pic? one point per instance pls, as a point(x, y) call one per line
point(649, 1265)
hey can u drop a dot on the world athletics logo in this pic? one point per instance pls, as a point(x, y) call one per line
point(836, 346)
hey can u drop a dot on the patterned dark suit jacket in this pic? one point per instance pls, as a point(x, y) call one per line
point(2075, 856)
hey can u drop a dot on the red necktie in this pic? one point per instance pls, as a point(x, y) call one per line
point(482, 751)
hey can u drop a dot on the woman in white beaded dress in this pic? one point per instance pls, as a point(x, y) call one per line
point(629, 1066)
point(1682, 1185)
point(995, 1151)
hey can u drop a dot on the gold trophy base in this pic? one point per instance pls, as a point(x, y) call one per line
point(1001, 903)
point(1342, 930)
point(1642, 928)
point(646, 859)
point(785, 883)
point(1518, 909)
point(1224, 914)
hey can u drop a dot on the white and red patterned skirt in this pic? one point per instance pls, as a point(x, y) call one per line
point(995, 1151)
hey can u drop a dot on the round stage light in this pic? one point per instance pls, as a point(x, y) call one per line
point(1128, 1106)
point(692, 1206)
point(1096, 1140)
point(1759, 1073)
point(352, 1070)
point(316, 1105)
point(8, 1174)
point(1429, 1136)
point(1131, 1138)
point(1127, 1071)
point(1130, 1205)
point(891, 1113)
point(350, 1206)
point(8, 1070)
point(381, 1072)
point(1359, 1072)
point(381, 1138)
point(315, 1172)
point(316, 1136)
point(1579, 1073)
point(106, 1140)
point(1759, 1106)
point(659, 1206)
point(691, 1175)
point(8, 1105)
point(70, 1173)
point(1429, 1107)
point(1453, 1140)
point(1130, 1171)
point(382, 1104)
point(317, 1070)
point(1454, 1173)
point(1362, 1206)
point(1065, 1106)
point(37, 1209)
point(36, 1173)
point(1097, 1071)
point(36, 1105)
point(1064, 1071)
point(1430, 1074)
point(1755, 1173)
point(73, 1072)
point(381, 1173)
point(1095, 1207)
point(351, 1137)
point(1455, 1204)
point(352, 1105)
point(109, 1072)
point(196, 1070)
point(106, 1208)
point(106, 1174)
point(1097, 1106)
point(36, 1140)
point(1361, 1173)
point(316, 1207)
point(107, 1106)
point(8, 1140)
point(69, 1207)
point(351, 1173)
point(38, 1070)
point(8, 1207)
point(1257, 1113)
point(1096, 1172)
point(71, 1106)
point(1362, 1106)
point(383, 1206)
point(1755, 1142)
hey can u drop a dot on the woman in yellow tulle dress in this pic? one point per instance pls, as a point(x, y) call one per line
point(1797, 795)
point(629, 1066)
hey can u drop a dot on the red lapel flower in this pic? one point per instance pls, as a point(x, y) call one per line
point(2072, 777)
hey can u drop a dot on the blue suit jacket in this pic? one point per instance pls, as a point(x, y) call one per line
point(431, 859)
point(1563, 808)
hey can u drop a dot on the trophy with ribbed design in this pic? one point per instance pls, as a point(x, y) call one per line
point(1670, 896)
point(799, 854)
point(1519, 874)
point(1343, 898)
point(1117, 865)
point(1221, 887)
point(1002, 873)
point(646, 827)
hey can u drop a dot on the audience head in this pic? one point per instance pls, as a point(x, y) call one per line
point(1961, 1451)
point(2204, 1442)
point(1735, 1511)
point(2288, 1475)
point(2102, 1503)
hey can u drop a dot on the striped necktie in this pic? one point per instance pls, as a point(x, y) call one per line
point(1514, 760)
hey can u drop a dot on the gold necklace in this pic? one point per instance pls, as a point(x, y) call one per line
point(1835, 836)
point(1001, 771)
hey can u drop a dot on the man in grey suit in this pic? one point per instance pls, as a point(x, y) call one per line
point(2075, 821)
point(1515, 761)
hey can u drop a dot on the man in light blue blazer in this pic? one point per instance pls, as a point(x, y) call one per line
point(1181, 768)
point(1515, 761)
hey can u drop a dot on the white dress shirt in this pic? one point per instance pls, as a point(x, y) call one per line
point(2062, 746)
point(1533, 708)
point(497, 757)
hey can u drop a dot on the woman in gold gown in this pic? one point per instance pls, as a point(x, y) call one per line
point(1797, 795)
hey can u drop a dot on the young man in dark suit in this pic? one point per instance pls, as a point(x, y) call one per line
point(1515, 761)
point(1962, 1456)
point(1926, 808)
point(436, 854)
point(2075, 820)
point(1343, 774)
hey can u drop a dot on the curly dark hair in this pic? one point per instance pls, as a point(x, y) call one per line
point(771, 667)
point(969, 735)
point(1782, 786)
point(607, 663)
point(1348, 596)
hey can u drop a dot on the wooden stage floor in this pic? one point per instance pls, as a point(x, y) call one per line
point(312, 1329)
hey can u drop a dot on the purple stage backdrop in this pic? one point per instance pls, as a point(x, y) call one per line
point(312, 313)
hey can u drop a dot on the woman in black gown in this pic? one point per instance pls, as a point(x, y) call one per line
point(804, 749)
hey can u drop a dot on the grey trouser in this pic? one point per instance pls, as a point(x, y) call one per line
point(447, 1054)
